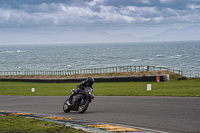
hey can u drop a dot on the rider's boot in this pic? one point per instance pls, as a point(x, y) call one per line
point(69, 102)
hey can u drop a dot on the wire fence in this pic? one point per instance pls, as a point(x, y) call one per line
point(92, 71)
point(193, 74)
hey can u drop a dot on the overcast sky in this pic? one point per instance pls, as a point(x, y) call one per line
point(138, 17)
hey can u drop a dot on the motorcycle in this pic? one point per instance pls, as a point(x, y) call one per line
point(80, 101)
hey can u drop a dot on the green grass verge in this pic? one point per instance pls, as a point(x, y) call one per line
point(183, 88)
point(15, 124)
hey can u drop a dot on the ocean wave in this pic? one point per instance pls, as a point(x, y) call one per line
point(160, 55)
point(7, 51)
point(135, 60)
point(179, 56)
point(176, 56)
point(19, 51)
point(164, 66)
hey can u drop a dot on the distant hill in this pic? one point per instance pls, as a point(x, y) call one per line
point(188, 33)
point(84, 36)
point(63, 36)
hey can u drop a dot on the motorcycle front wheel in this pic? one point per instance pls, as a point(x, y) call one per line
point(66, 107)
point(82, 107)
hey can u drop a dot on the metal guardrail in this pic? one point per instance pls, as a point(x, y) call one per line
point(92, 71)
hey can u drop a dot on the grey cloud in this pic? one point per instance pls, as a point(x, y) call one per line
point(96, 2)
point(141, 11)
point(103, 13)
point(43, 7)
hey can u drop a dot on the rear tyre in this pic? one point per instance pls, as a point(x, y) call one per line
point(66, 107)
point(82, 107)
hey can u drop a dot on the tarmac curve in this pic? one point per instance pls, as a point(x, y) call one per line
point(167, 114)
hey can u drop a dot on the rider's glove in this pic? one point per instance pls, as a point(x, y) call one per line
point(72, 91)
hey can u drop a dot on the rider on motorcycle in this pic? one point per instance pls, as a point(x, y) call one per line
point(87, 83)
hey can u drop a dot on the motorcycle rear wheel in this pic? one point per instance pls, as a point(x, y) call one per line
point(66, 107)
point(82, 107)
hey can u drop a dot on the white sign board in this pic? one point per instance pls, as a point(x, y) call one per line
point(148, 87)
point(32, 89)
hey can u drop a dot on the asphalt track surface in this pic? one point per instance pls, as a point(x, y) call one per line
point(167, 114)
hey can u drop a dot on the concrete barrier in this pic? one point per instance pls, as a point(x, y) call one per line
point(147, 78)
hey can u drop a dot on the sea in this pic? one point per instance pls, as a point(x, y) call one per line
point(178, 55)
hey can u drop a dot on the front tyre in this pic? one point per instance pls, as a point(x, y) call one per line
point(82, 107)
point(66, 107)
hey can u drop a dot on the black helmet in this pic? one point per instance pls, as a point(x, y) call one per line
point(90, 80)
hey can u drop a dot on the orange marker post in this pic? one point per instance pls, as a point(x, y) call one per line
point(158, 78)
